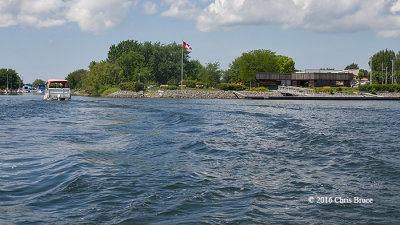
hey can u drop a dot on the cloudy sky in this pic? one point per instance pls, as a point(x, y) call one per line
point(51, 38)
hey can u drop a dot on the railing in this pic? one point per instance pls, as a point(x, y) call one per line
point(295, 90)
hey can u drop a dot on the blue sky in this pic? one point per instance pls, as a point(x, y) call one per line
point(51, 38)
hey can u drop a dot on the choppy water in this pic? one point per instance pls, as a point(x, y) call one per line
point(164, 161)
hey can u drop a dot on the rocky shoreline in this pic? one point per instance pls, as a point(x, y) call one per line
point(194, 94)
point(203, 94)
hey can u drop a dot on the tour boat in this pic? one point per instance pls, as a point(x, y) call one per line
point(57, 90)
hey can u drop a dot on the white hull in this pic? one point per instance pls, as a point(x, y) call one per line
point(59, 94)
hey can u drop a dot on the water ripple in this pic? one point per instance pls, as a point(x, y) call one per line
point(165, 161)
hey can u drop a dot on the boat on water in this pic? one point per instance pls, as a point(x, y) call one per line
point(57, 90)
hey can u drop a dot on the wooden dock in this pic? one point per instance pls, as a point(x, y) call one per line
point(323, 98)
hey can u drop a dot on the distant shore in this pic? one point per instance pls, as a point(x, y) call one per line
point(218, 94)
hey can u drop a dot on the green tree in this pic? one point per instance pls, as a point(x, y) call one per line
point(211, 74)
point(352, 66)
point(286, 64)
point(379, 63)
point(363, 73)
point(131, 63)
point(248, 64)
point(231, 75)
point(38, 82)
point(328, 68)
point(116, 51)
point(14, 80)
point(397, 68)
point(192, 70)
point(101, 76)
point(75, 78)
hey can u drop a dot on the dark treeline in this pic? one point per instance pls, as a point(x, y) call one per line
point(131, 61)
point(156, 64)
point(381, 66)
point(14, 80)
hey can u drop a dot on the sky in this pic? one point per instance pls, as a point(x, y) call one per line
point(43, 39)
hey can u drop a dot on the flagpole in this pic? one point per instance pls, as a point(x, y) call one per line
point(182, 68)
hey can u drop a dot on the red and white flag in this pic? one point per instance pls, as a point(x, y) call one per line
point(186, 45)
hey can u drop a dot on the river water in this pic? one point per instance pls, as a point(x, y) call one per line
point(166, 161)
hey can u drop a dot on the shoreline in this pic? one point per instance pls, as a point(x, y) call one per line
point(271, 95)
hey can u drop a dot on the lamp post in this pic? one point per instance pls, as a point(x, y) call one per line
point(392, 71)
point(370, 67)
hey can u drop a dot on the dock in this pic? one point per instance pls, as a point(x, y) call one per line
point(323, 98)
point(315, 97)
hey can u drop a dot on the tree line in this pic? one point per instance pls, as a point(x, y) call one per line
point(158, 64)
point(381, 64)
point(10, 75)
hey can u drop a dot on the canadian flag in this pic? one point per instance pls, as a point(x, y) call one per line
point(186, 45)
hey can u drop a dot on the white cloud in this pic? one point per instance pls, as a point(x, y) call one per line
point(91, 15)
point(184, 9)
point(150, 7)
point(36, 13)
point(379, 16)
point(97, 15)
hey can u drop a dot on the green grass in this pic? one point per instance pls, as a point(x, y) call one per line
point(109, 91)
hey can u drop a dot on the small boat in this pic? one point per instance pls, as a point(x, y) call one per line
point(57, 90)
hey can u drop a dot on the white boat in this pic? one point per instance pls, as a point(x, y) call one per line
point(57, 90)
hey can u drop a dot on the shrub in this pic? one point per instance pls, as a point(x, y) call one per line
point(172, 87)
point(380, 88)
point(326, 89)
point(260, 89)
point(109, 91)
point(372, 91)
point(396, 87)
point(190, 83)
point(231, 87)
point(339, 89)
point(132, 86)
point(139, 86)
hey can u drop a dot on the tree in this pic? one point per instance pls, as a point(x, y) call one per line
point(101, 76)
point(116, 51)
point(328, 68)
point(38, 82)
point(75, 78)
point(131, 63)
point(352, 66)
point(245, 67)
point(256, 61)
point(286, 64)
point(231, 75)
point(363, 73)
point(211, 74)
point(192, 69)
point(397, 68)
point(10, 75)
point(161, 63)
point(379, 63)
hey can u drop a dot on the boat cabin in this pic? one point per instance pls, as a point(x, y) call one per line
point(57, 90)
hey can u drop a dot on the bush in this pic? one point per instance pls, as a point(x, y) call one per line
point(372, 91)
point(339, 89)
point(132, 86)
point(260, 89)
point(380, 88)
point(189, 83)
point(327, 89)
point(172, 87)
point(231, 87)
point(109, 91)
